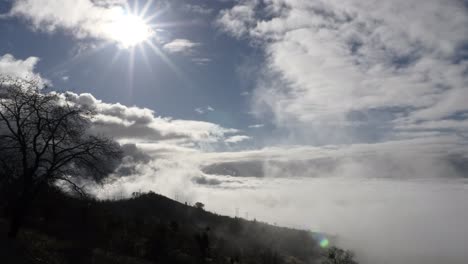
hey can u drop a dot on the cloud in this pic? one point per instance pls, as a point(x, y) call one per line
point(430, 157)
point(82, 18)
point(180, 46)
point(237, 139)
point(201, 61)
point(334, 71)
point(203, 110)
point(198, 9)
point(17, 68)
point(141, 124)
point(238, 19)
point(206, 181)
point(133, 159)
point(257, 126)
point(384, 191)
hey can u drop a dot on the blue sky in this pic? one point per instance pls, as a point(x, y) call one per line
point(218, 84)
point(301, 112)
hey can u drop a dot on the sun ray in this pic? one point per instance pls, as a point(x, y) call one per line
point(136, 7)
point(111, 63)
point(142, 51)
point(131, 68)
point(115, 57)
point(149, 18)
point(77, 58)
point(171, 65)
point(146, 7)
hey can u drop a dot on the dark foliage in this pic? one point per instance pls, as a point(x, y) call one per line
point(149, 228)
point(336, 255)
point(44, 141)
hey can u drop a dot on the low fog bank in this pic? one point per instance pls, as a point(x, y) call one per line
point(382, 220)
point(399, 202)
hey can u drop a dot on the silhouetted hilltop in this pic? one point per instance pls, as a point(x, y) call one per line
point(149, 228)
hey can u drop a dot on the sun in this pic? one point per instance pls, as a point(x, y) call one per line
point(135, 30)
point(129, 30)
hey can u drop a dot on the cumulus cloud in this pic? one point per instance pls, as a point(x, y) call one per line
point(180, 46)
point(339, 68)
point(239, 18)
point(17, 68)
point(142, 124)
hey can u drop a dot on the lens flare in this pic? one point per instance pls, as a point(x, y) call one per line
point(321, 239)
point(324, 243)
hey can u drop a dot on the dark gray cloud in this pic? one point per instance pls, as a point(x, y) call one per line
point(206, 181)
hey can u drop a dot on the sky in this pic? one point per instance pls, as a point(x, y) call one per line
point(344, 117)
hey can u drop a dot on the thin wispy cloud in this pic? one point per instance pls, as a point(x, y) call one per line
point(198, 9)
point(201, 61)
point(257, 126)
point(203, 110)
point(237, 139)
point(180, 46)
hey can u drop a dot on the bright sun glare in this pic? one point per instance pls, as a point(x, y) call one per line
point(130, 30)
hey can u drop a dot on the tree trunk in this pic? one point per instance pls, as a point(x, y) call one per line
point(15, 224)
point(19, 213)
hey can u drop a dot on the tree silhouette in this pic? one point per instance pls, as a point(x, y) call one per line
point(336, 255)
point(44, 141)
point(199, 205)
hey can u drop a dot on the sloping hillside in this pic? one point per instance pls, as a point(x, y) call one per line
point(150, 228)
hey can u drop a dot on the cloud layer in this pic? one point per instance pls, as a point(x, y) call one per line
point(347, 67)
point(399, 202)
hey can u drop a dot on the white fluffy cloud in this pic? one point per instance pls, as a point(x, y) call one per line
point(143, 125)
point(17, 68)
point(332, 65)
point(180, 46)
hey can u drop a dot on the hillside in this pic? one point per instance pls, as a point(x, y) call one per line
point(149, 228)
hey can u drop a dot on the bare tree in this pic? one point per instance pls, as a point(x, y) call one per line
point(44, 141)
